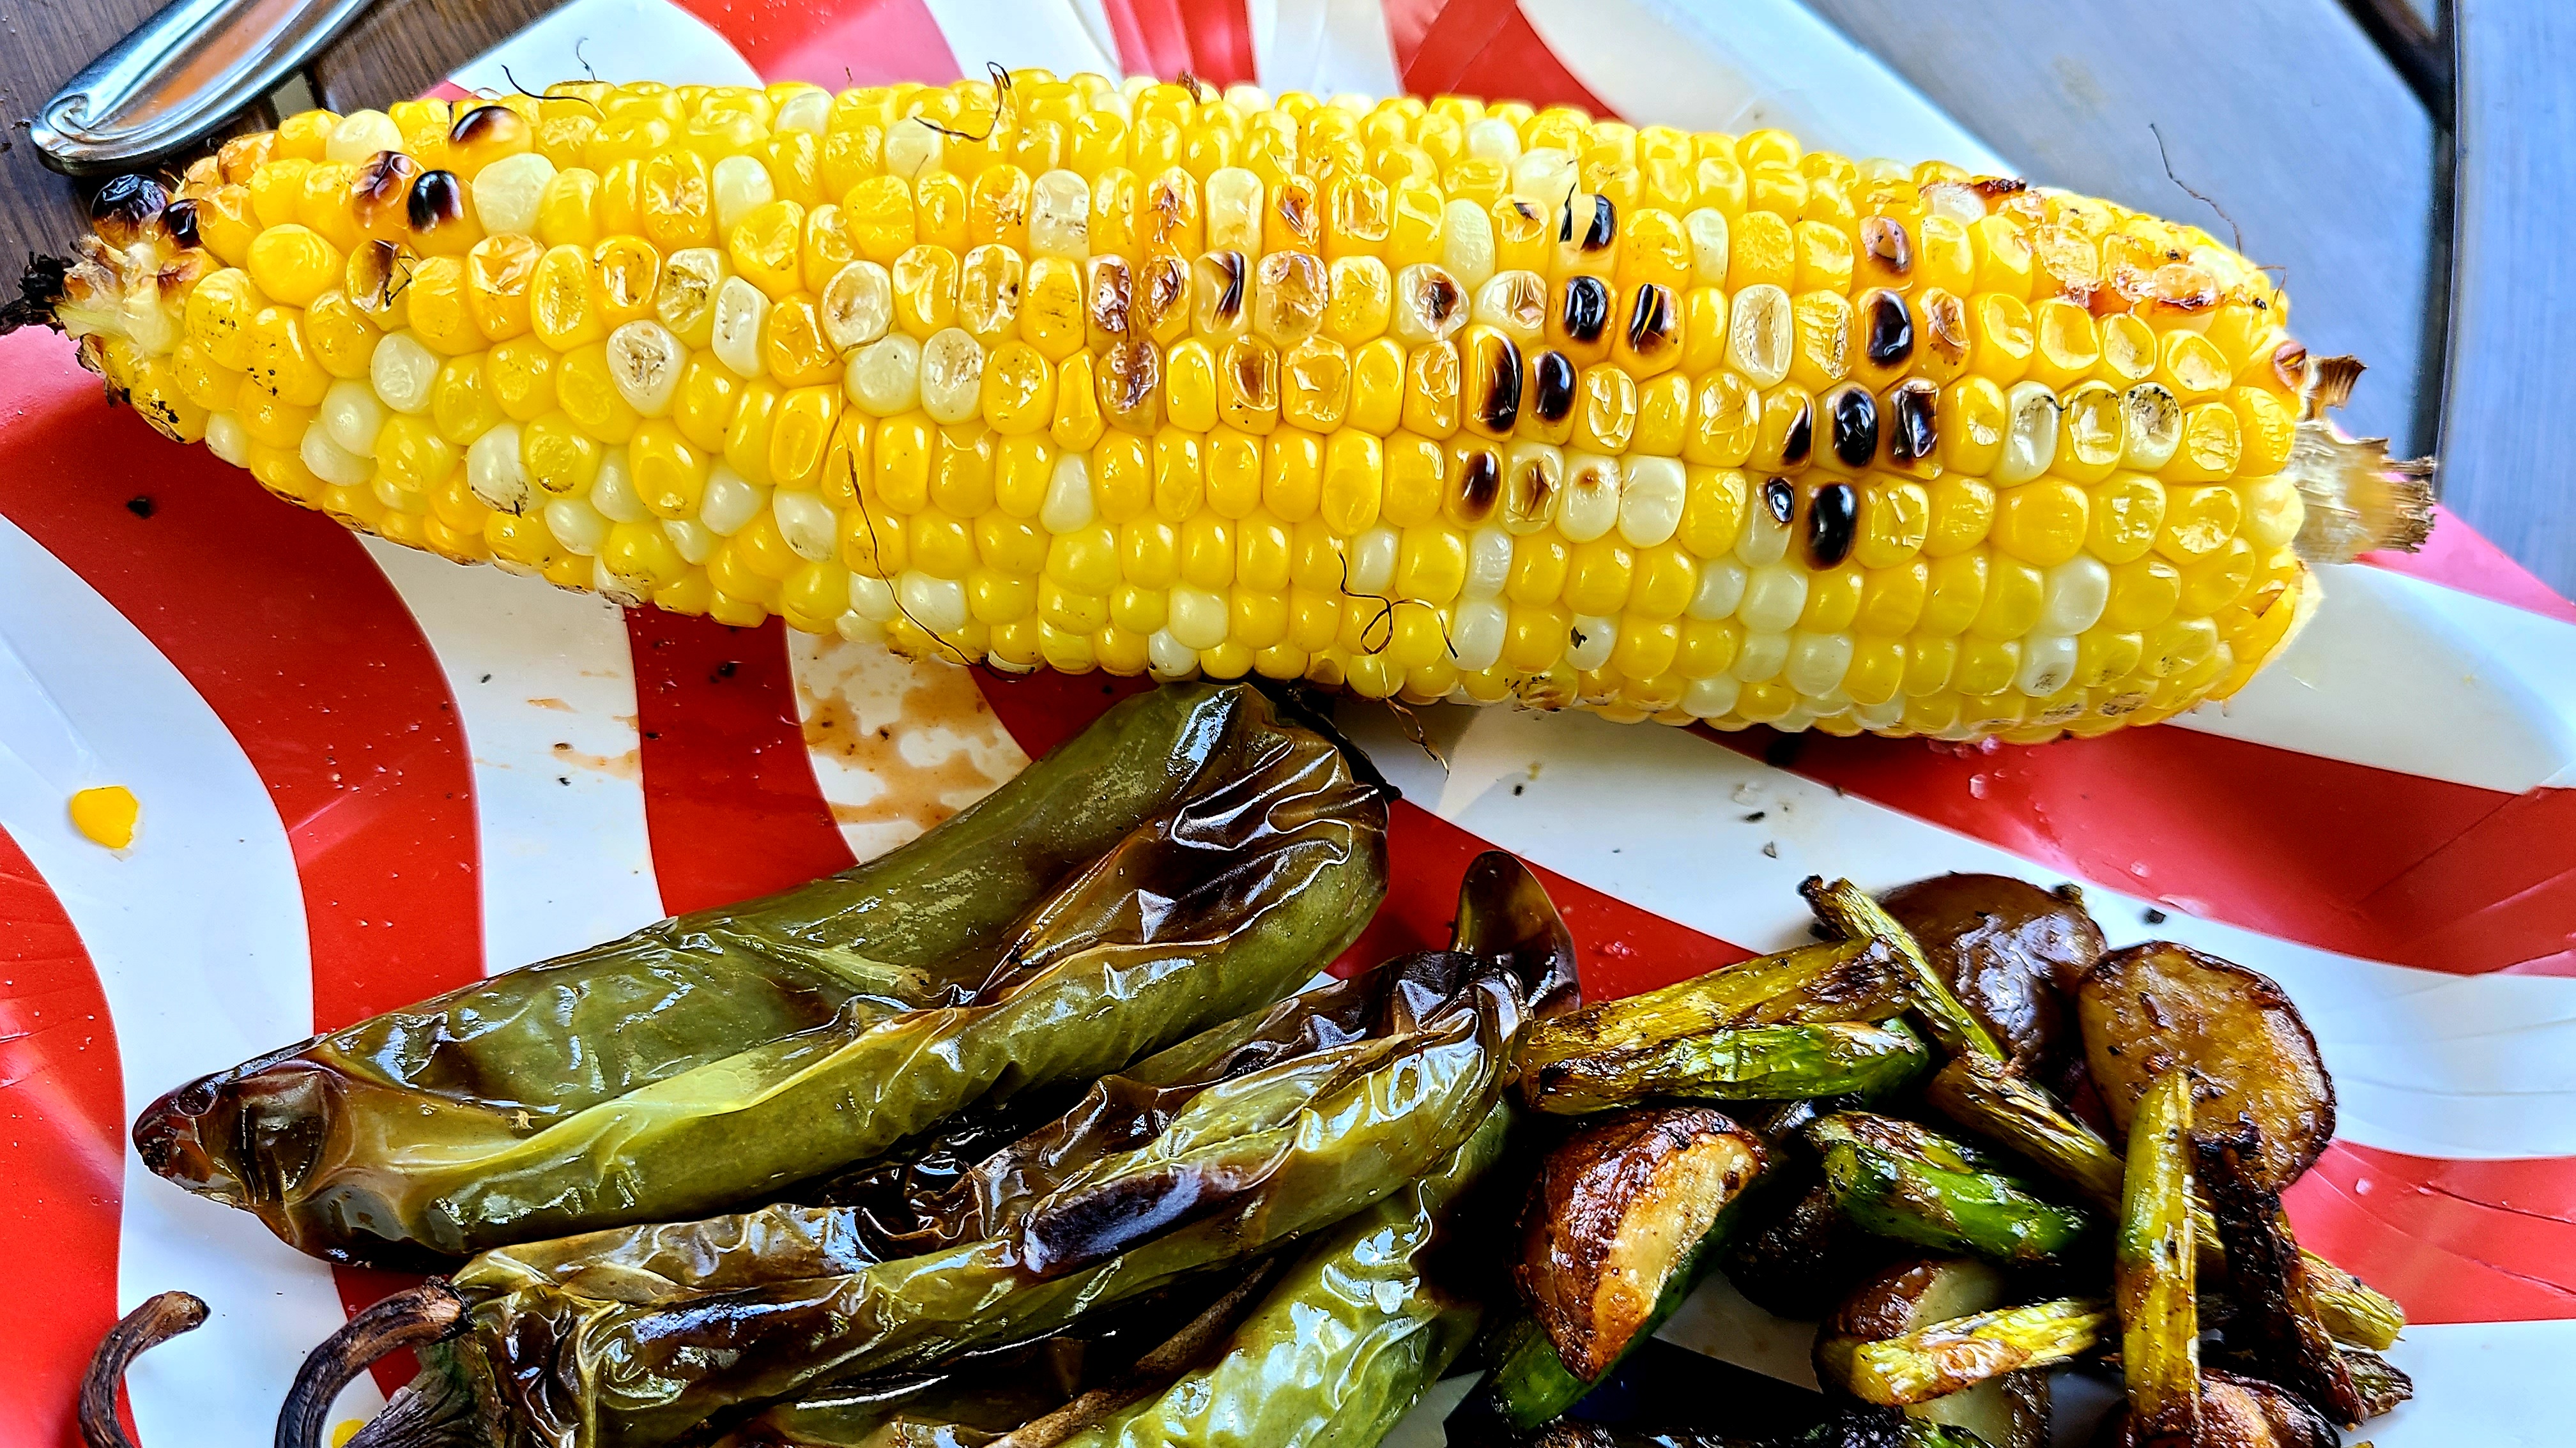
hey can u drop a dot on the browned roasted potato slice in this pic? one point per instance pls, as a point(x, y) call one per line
point(2155, 1007)
point(2235, 1412)
point(2005, 1411)
point(1617, 1215)
point(2011, 950)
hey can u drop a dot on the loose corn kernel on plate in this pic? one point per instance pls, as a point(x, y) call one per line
point(1081, 399)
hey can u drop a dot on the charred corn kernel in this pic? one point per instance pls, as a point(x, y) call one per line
point(1426, 399)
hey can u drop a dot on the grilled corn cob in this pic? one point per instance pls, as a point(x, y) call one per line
point(1431, 399)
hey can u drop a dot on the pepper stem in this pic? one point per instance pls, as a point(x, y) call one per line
point(428, 1313)
point(1183, 1350)
point(154, 1323)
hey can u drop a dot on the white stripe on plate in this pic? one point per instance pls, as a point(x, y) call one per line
point(545, 692)
point(1056, 35)
point(1746, 65)
point(1323, 47)
point(617, 40)
point(2401, 674)
point(896, 745)
point(2424, 1062)
point(197, 933)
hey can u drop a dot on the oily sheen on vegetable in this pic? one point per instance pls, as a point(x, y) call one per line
point(1430, 399)
point(1189, 856)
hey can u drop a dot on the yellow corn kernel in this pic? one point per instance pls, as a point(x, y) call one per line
point(292, 264)
point(586, 391)
point(461, 406)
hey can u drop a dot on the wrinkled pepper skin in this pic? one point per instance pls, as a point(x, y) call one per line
point(718, 1057)
point(1341, 1348)
point(633, 1338)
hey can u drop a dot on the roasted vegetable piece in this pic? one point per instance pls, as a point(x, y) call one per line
point(1345, 1342)
point(579, 1092)
point(1945, 1357)
point(2153, 1268)
point(1849, 980)
point(1741, 1063)
point(2234, 1412)
point(2006, 1411)
point(2011, 951)
point(1619, 1214)
point(1903, 1181)
point(1617, 1229)
point(162, 1317)
point(1505, 913)
point(631, 1338)
point(2152, 1008)
point(1847, 910)
point(2381, 1383)
point(2276, 1312)
point(1800, 1262)
point(1574, 1433)
point(1884, 1428)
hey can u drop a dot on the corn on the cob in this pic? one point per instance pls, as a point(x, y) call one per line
point(1433, 399)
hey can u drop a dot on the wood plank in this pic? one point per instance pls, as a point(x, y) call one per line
point(2513, 371)
point(400, 48)
point(40, 211)
point(2283, 112)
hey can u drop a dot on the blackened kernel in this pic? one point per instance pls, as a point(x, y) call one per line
point(1799, 442)
point(480, 124)
point(1605, 225)
point(1913, 429)
point(1833, 522)
point(1552, 387)
point(1780, 500)
point(181, 218)
point(1889, 334)
point(125, 205)
point(1500, 407)
point(437, 199)
point(1586, 308)
point(1651, 320)
point(1855, 425)
point(1480, 483)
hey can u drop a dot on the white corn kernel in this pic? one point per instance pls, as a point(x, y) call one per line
point(1720, 591)
point(885, 376)
point(1650, 501)
point(644, 362)
point(1760, 330)
point(1591, 506)
point(808, 523)
point(810, 109)
point(1886, 714)
point(625, 593)
point(2047, 664)
point(2073, 595)
point(739, 311)
point(352, 415)
point(227, 439)
point(695, 541)
point(331, 462)
point(1543, 175)
point(1168, 657)
point(1467, 243)
point(952, 375)
point(613, 493)
point(1476, 632)
point(578, 526)
point(1955, 201)
point(1196, 617)
point(873, 599)
point(1533, 487)
point(2155, 426)
point(686, 298)
point(359, 135)
point(1514, 303)
point(393, 496)
point(730, 501)
point(1233, 208)
point(933, 603)
point(857, 305)
point(1773, 597)
point(1060, 216)
point(402, 371)
point(910, 149)
point(1707, 231)
point(1710, 697)
point(1765, 538)
point(1588, 646)
point(506, 193)
point(1068, 496)
point(1489, 563)
point(1252, 100)
point(1372, 559)
point(739, 183)
point(493, 472)
point(1493, 139)
point(1817, 662)
point(1761, 656)
point(2030, 434)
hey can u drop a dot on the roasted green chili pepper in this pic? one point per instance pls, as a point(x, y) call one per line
point(1186, 858)
point(1342, 1346)
point(1742, 1063)
point(1899, 1180)
point(1321, 1107)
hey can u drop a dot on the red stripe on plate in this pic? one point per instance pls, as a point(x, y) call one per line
point(2336, 855)
point(2454, 1241)
point(1043, 710)
point(294, 637)
point(729, 794)
point(62, 1149)
point(1211, 39)
point(2458, 556)
point(846, 43)
point(1481, 48)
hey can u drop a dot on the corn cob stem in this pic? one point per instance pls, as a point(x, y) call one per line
point(1430, 399)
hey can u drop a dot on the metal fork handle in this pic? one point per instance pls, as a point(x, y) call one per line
point(178, 77)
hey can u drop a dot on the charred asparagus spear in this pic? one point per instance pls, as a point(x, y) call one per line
point(2153, 1268)
point(1904, 1181)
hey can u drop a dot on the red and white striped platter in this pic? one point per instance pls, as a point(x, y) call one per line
point(368, 775)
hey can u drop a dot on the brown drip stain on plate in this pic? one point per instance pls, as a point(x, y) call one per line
point(909, 793)
point(629, 765)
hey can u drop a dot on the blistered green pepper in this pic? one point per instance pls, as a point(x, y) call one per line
point(634, 1337)
point(1188, 857)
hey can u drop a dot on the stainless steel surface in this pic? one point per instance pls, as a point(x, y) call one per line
point(178, 77)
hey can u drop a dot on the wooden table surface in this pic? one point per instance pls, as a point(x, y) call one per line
point(2321, 130)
